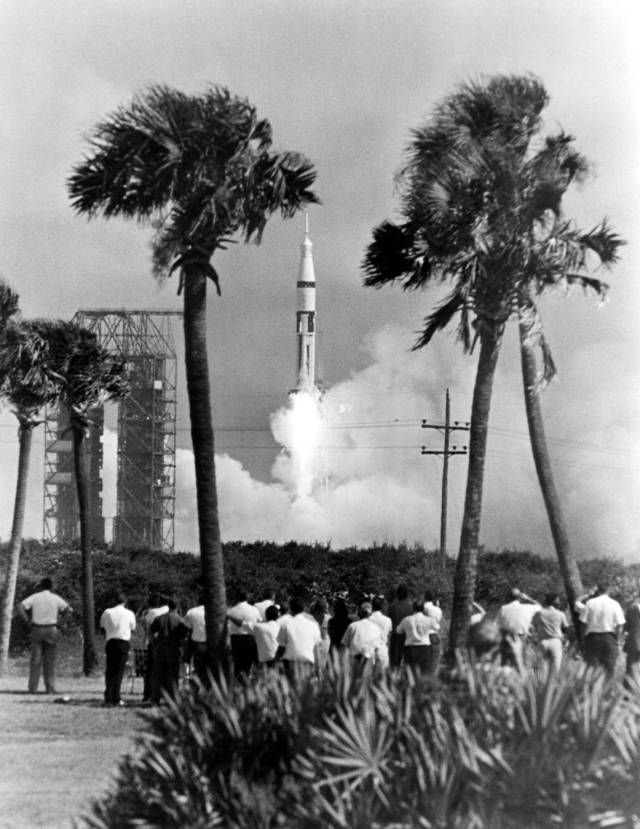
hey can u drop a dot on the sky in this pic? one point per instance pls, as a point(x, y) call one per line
point(344, 83)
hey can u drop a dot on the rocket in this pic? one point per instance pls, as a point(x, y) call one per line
point(306, 316)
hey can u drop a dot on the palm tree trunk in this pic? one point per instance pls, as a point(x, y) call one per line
point(89, 656)
point(25, 434)
point(568, 566)
point(467, 563)
point(197, 371)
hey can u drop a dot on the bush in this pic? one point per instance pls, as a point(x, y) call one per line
point(352, 749)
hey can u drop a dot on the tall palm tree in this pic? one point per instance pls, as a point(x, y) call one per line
point(89, 376)
point(536, 378)
point(28, 350)
point(200, 168)
point(477, 191)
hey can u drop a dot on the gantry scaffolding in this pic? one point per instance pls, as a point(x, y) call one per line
point(146, 438)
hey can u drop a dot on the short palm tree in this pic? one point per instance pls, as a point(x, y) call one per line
point(201, 169)
point(89, 376)
point(477, 192)
point(28, 350)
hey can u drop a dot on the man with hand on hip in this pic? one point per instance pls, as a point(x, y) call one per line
point(41, 611)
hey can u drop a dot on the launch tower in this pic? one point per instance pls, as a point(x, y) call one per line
point(146, 438)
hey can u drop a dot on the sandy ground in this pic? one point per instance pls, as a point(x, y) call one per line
point(56, 756)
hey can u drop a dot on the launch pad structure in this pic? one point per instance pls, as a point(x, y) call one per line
point(146, 439)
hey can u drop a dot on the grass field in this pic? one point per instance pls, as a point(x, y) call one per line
point(56, 756)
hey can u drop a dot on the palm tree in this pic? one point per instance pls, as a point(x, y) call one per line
point(199, 167)
point(477, 192)
point(27, 355)
point(89, 376)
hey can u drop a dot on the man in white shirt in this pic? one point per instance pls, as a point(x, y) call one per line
point(549, 625)
point(432, 608)
point(194, 620)
point(266, 636)
point(118, 623)
point(417, 629)
point(298, 638)
point(243, 645)
point(603, 622)
point(385, 624)
point(40, 610)
point(514, 621)
point(364, 639)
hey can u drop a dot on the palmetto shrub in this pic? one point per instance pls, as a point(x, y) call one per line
point(355, 749)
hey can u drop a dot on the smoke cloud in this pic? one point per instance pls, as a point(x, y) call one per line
point(372, 484)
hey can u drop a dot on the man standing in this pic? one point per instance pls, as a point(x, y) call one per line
point(266, 636)
point(194, 620)
point(549, 625)
point(603, 621)
point(399, 609)
point(632, 642)
point(118, 623)
point(243, 645)
point(167, 633)
point(417, 629)
point(514, 620)
point(158, 607)
point(384, 623)
point(298, 638)
point(364, 639)
point(40, 610)
point(432, 608)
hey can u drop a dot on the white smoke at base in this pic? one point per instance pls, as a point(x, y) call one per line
point(370, 484)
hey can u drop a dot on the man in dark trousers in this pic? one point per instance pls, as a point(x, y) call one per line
point(41, 611)
point(118, 623)
point(167, 633)
point(632, 642)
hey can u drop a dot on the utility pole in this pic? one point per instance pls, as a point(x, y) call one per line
point(446, 452)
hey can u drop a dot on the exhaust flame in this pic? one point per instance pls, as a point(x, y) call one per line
point(298, 429)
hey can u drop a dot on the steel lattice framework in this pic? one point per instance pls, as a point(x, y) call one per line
point(146, 482)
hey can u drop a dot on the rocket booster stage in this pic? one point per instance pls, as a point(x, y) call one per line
point(306, 316)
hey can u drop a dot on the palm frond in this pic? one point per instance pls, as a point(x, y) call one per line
point(390, 256)
point(603, 241)
point(9, 300)
point(198, 166)
point(439, 319)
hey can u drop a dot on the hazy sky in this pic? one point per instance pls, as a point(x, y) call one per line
point(344, 83)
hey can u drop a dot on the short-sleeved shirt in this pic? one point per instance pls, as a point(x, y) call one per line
point(549, 623)
point(602, 614)
point(194, 620)
point(299, 635)
point(266, 636)
point(418, 628)
point(383, 622)
point(363, 638)
point(153, 613)
point(433, 610)
point(242, 612)
point(118, 623)
point(515, 617)
point(44, 607)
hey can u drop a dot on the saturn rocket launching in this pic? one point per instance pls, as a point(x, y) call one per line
point(306, 316)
